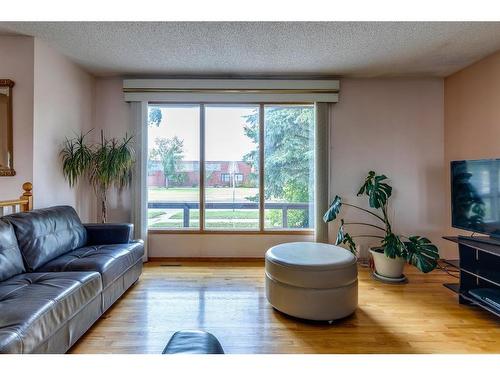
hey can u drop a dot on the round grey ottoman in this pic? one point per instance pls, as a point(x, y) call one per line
point(312, 280)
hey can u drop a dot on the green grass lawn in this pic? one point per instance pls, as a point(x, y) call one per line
point(219, 219)
point(220, 214)
point(193, 194)
point(152, 214)
point(216, 218)
point(213, 225)
point(167, 225)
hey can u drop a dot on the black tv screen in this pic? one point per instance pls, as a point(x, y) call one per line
point(475, 195)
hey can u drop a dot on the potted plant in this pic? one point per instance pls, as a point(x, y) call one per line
point(394, 250)
point(105, 164)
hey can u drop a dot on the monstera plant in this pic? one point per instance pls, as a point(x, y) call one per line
point(393, 247)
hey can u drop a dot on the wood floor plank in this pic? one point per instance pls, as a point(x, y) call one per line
point(228, 299)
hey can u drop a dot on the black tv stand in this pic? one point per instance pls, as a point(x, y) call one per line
point(479, 265)
point(484, 239)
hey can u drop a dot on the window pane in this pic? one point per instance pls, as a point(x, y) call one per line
point(289, 166)
point(173, 166)
point(231, 167)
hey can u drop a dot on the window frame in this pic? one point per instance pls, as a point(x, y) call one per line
point(262, 229)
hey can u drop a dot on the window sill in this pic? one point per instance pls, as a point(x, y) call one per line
point(298, 232)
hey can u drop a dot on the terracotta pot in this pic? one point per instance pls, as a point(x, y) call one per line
point(387, 267)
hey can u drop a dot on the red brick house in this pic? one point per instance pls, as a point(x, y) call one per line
point(218, 173)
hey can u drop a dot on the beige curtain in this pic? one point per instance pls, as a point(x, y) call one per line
point(321, 170)
point(139, 182)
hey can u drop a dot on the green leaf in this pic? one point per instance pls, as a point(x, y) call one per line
point(107, 163)
point(76, 157)
point(290, 131)
point(334, 209)
point(112, 163)
point(345, 238)
point(368, 182)
point(170, 153)
point(154, 116)
point(393, 246)
point(340, 233)
point(422, 253)
point(378, 192)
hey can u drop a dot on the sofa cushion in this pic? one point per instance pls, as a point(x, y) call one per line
point(11, 262)
point(35, 305)
point(111, 261)
point(109, 233)
point(47, 233)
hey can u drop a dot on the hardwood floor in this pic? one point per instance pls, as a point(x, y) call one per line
point(228, 300)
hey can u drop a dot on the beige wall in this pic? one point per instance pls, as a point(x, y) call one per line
point(472, 118)
point(216, 245)
point(395, 127)
point(404, 116)
point(52, 99)
point(113, 115)
point(63, 107)
point(408, 129)
point(16, 63)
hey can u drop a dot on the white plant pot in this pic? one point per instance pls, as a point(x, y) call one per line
point(387, 267)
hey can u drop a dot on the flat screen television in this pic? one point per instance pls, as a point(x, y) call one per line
point(475, 196)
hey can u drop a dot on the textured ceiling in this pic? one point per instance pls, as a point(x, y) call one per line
point(359, 49)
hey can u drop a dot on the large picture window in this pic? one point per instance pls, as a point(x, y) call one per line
point(230, 189)
point(289, 166)
point(174, 166)
point(230, 167)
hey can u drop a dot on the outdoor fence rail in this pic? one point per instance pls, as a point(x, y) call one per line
point(187, 206)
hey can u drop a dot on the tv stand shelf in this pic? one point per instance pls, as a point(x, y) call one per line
point(453, 262)
point(479, 266)
point(454, 287)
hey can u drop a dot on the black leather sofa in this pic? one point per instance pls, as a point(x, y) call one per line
point(58, 276)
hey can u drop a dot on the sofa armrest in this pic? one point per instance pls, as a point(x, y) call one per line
point(107, 234)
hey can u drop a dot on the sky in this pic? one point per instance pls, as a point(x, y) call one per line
point(225, 139)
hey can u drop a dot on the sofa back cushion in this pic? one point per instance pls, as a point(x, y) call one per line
point(47, 233)
point(11, 262)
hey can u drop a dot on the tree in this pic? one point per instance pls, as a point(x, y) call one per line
point(170, 152)
point(154, 116)
point(289, 156)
